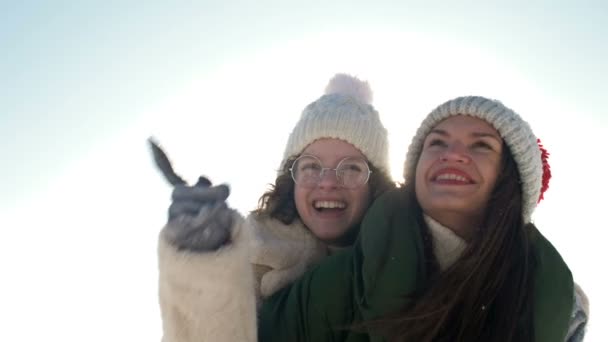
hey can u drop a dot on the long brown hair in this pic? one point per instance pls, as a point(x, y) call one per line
point(279, 201)
point(487, 294)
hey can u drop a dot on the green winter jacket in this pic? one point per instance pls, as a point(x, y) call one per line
point(373, 277)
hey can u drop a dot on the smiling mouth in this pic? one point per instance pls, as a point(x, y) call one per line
point(322, 206)
point(452, 179)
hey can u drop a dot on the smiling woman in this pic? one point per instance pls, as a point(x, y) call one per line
point(308, 213)
point(457, 171)
point(329, 207)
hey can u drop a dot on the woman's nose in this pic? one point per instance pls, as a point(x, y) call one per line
point(329, 179)
point(455, 153)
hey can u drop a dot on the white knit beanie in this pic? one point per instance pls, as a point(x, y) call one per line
point(516, 133)
point(344, 112)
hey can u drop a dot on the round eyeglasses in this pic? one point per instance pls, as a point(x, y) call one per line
point(351, 172)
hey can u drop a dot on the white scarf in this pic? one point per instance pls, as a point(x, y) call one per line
point(447, 246)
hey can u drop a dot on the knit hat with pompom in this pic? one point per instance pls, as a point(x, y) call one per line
point(530, 156)
point(344, 112)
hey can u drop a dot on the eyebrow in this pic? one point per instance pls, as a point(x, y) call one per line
point(474, 134)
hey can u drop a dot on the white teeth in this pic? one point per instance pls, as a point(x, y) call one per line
point(329, 204)
point(451, 176)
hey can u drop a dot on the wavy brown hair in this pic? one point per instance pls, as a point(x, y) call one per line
point(487, 294)
point(279, 201)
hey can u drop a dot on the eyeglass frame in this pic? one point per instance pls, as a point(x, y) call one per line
point(323, 169)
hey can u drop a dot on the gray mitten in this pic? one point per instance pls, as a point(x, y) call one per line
point(199, 219)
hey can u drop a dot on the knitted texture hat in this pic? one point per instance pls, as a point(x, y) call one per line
point(516, 133)
point(344, 112)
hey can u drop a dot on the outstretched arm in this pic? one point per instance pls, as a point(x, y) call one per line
point(206, 283)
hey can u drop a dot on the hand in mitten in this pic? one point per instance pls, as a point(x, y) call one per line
point(199, 218)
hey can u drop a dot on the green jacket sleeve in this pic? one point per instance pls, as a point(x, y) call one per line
point(553, 292)
point(389, 258)
point(361, 282)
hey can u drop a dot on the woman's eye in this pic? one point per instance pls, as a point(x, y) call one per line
point(482, 145)
point(351, 167)
point(436, 142)
point(310, 166)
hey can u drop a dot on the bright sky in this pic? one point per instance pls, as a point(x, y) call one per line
point(221, 84)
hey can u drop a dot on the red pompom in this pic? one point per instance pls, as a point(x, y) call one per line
point(544, 155)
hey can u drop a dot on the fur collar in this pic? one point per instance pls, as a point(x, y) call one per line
point(284, 252)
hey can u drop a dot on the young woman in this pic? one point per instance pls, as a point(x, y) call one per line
point(451, 256)
point(215, 266)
